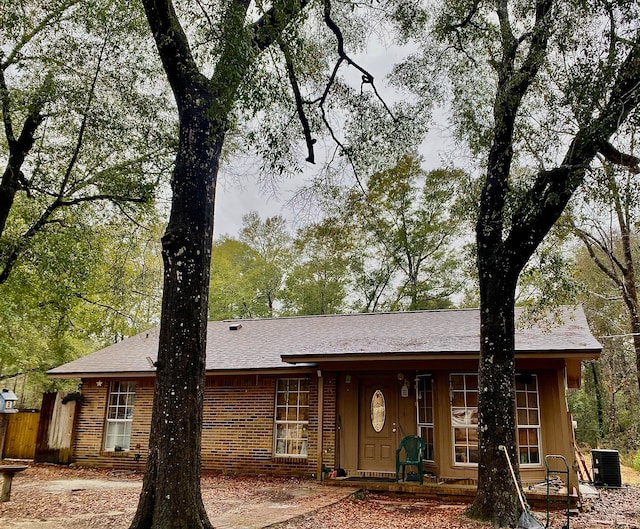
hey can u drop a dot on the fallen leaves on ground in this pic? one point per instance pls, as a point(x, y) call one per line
point(42, 499)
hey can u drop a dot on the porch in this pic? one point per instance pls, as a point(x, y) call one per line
point(449, 490)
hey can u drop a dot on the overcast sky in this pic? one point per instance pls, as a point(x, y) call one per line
point(238, 195)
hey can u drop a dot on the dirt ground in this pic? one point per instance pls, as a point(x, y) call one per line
point(48, 497)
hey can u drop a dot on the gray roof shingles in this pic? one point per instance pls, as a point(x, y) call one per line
point(260, 344)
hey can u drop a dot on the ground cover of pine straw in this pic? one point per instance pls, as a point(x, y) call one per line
point(48, 497)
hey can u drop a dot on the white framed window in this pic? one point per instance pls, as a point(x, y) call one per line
point(117, 435)
point(291, 417)
point(528, 419)
point(464, 417)
point(424, 408)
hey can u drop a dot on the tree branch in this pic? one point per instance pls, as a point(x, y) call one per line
point(173, 48)
point(12, 256)
point(83, 126)
point(616, 157)
point(269, 26)
point(299, 103)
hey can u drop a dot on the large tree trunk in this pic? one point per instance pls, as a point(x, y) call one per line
point(171, 496)
point(496, 500)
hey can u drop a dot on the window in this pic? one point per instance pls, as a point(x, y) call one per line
point(291, 417)
point(528, 419)
point(464, 417)
point(119, 415)
point(424, 398)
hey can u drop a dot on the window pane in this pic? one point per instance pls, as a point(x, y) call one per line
point(458, 398)
point(458, 416)
point(522, 437)
point(522, 417)
point(457, 382)
point(472, 435)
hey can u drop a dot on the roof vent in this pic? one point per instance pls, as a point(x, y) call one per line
point(235, 326)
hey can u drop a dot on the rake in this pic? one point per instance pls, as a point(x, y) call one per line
point(527, 520)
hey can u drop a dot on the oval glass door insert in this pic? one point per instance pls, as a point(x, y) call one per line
point(378, 411)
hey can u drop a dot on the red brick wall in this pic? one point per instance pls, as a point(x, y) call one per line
point(237, 433)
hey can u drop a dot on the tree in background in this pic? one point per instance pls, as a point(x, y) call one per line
point(272, 245)
point(517, 75)
point(605, 221)
point(606, 406)
point(75, 105)
point(80, 289)
point(406, 224)
point(317, 283)
point(80, 169)
point(229, 280)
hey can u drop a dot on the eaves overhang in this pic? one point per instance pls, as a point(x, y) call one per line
point(285, 369)
point(378, 356)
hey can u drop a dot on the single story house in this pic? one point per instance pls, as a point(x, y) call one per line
point(298, 395)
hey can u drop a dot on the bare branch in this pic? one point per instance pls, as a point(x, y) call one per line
point(299, 103)
point(83, 125)
point(367, 78)
point(616, 157)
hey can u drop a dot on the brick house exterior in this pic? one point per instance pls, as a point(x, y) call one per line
point(294, 396)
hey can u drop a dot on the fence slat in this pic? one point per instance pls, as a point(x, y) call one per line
point(22, 430)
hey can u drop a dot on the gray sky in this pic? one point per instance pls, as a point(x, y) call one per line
point(238, 195)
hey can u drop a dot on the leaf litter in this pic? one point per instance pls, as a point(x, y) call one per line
point(40, 500)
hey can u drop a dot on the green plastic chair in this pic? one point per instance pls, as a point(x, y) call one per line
point(414, 449)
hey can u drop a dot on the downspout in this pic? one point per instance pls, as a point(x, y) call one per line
point(320, 424)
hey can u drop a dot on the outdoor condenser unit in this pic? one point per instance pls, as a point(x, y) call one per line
point(606, 468)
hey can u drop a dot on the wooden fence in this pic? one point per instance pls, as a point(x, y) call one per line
point(22, 430)
point(45, 435)
point(55, 432)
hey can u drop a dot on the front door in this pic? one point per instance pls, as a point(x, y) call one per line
point(377, 438)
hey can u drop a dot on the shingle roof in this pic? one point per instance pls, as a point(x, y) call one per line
point(261, 344)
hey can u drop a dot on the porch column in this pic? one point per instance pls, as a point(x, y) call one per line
point(320, 424)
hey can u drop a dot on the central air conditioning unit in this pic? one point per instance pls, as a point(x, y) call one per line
point(606, 468)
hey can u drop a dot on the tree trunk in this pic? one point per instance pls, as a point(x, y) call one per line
point(599, 405)
point(494, 501)
point(171, 496)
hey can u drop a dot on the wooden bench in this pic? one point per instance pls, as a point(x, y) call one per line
point(7, 472)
